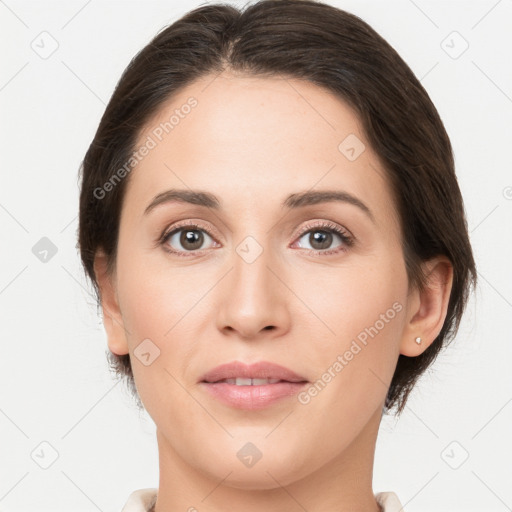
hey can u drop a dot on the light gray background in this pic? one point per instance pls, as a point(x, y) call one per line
point(55, 386)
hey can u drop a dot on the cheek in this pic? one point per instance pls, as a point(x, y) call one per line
point(345, 301)
point(153, 308)
point(155, 296)
point(354, 366)
point(359, 311)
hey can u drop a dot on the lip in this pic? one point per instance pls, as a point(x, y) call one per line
point(255, 396)
point(259, 370)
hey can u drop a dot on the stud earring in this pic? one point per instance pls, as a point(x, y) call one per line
point(418, 340)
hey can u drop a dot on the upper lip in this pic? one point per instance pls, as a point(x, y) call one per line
point(259, 370)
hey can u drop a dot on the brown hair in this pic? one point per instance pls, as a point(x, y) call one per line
point(316, 42)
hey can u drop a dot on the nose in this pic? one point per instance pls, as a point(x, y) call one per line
point(252, 299)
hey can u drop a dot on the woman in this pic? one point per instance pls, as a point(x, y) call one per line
point(270, 217)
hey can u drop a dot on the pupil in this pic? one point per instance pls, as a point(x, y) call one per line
point(322, 238)
point(192, 237)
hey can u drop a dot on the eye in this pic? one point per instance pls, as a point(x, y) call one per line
point(321, 235)
point(191, 238)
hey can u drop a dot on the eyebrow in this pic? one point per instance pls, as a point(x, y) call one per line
point(293, 201)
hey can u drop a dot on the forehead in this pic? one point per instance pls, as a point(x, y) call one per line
point(251, 139)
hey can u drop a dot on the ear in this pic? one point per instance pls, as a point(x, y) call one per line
point(112, 319)
point(426, 310)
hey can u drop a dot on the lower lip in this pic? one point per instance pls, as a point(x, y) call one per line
point(252, 397)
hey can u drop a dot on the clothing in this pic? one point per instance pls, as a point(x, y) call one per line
point(144, 499)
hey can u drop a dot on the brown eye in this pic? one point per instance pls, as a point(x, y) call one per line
point(321, 237)
point(186, 239)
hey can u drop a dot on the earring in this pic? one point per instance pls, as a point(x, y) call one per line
point(418, 340)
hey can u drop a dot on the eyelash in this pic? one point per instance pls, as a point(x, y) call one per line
point(345, 237)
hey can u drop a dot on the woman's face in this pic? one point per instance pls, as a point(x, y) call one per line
point(264, 276)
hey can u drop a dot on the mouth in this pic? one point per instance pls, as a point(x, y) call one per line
point(259, 373)
point(252, 386)
point(240, 381)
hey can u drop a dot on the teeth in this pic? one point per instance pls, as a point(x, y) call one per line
point(240, 381)
point(261, 382)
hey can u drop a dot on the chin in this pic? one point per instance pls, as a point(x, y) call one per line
point(261, 480)
point(267, 473)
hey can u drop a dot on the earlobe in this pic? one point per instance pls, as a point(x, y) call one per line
point(112, 318)
point(427, 308)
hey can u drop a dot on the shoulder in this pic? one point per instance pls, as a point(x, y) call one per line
point(141, 500)
point(389, 502)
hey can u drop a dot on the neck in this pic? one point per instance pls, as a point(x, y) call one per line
point(343, 484)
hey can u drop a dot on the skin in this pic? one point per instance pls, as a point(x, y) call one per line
point(252, 141)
